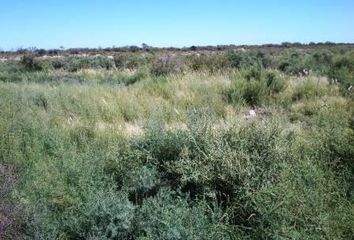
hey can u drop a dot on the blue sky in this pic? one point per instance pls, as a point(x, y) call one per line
point(106, 23)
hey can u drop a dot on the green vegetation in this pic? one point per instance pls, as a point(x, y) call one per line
point(163, 145)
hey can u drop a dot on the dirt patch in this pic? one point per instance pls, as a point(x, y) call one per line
point(133, 130)
point(9, 211)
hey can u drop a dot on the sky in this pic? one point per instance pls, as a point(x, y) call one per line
point(164, 23)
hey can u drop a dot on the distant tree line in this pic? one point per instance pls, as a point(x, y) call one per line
point(147, 48)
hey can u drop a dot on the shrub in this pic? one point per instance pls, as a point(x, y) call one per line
point(245, 91)
point(320, 61)
point(293, 63)
point(336, 135)
point(243, 60)
point(161, 145)
point(29, 63)
point(124, 61)
point(133, 61)
point(206, 62)
point(307, 90)
point(11, 212)
point(105, 215)
point(58, 63)
point(343, 70)
point(124, 79)
point(253, 73)
point(95, 62)
point(171, 217)
point(274, 82)
point(167, 65)
point(252, 92)
point(255, 87)
point(46, 65)
point(10, 71)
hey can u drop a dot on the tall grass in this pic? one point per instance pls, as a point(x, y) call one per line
point(139, 155)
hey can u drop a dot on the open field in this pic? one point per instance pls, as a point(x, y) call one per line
point(246, 143)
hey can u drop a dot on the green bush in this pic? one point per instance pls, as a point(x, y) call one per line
point(171, 217)
point(336, 135)
point(96, 62)
point(274, 82)
point(252, 92)
point(253, 73)
point(293, 63)
point(309, 89)
point(167, 65)
point(124, 79)
point(104, 216)
point(255, 87)
point(321, 61)
point(132, 61)
point(205, 62)
point(29, 63)
point(241, 60)
point(343, 70)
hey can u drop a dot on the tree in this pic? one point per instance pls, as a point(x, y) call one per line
point(145, 46)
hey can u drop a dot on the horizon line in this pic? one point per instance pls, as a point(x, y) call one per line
point(147, 46)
